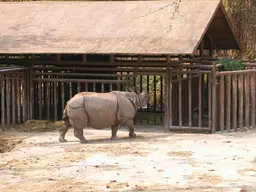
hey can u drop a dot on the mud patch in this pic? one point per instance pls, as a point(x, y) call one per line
point(180, 153)
point(8, 143)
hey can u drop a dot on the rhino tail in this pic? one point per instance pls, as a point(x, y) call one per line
point(64, 115)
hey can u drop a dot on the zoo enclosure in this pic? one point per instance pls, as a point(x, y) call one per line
point(195, 100)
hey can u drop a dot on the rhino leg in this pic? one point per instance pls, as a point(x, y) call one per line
point(80, 135)
point(63, 131)
point(130, 125)
point(114, 129)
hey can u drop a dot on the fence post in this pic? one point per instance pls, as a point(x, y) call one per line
point(214, 97)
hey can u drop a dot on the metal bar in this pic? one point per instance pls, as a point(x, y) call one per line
point(222, 111)
point(209, 101)
point(70, 90)
point(189, 102)
point(155, 93)
point(102, 87)
point(55, 101)
point(228, 99)
point(241, 100)
point(24, 97)
point(148, 91)
point(3, 102)
point(18, 87)
point(94, 87)
point(180, 101)
point(200, 101)
point(13, 101)
point(48, 100)
point(40, 100)
point(8, 99)
point(161, 93)
point(247, 100)
point(78, 87)
point(62, 96)
point(234, 103)
point(253, 100)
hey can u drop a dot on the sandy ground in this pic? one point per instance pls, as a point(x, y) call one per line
point(154, 161)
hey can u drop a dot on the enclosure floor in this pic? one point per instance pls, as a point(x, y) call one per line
point(154, 161)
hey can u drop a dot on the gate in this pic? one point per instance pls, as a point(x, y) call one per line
point(190, 96)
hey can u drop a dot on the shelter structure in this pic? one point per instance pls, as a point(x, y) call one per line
point(61, 48)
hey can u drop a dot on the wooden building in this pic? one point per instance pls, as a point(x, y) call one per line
point(52, 50)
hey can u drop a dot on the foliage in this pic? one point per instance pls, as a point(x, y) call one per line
point(242, 14)
point(228, 64)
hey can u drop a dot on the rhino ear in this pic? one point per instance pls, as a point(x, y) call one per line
point(130, 89)
point(137, 91)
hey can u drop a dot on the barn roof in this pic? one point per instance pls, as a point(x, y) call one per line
point(110, 27)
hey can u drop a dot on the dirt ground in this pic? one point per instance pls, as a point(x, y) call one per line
point(154, 161)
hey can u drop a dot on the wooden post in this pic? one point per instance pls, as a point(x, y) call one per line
point(214, 103)
point(14, 95)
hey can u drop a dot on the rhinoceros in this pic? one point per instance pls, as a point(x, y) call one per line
point(102, 110)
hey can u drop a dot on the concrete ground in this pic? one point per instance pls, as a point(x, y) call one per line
point(154, 161)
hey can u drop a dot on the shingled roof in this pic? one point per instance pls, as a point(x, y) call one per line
point(112, 27)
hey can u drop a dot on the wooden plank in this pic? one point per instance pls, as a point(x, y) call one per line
point(189, 101)
point(14, 120)
point(253, 76)
point(222, 111)
point(18, 87)
point(55, 101)
point(234, 99)
point(209, 101)
point(247, 99)
point(241, 100)
point(200, 101)
point(170, 114)
point(228, 99)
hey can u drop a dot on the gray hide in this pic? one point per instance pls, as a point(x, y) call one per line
point(101, 110)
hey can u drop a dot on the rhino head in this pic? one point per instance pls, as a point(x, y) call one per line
point(142, 97)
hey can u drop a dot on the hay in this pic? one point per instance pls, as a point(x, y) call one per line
point(39, 126)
